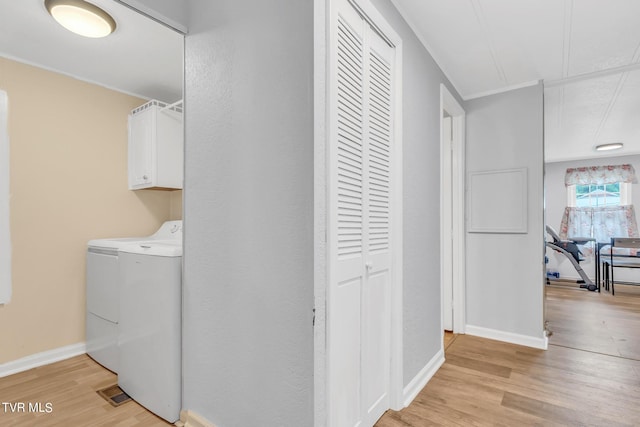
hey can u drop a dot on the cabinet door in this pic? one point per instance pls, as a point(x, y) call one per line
point(141, 147)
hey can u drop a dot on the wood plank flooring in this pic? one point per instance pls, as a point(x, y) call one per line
point(485, 382)
point(70, 388)
point(601, 323)
point(449, 337)
point(589, 376)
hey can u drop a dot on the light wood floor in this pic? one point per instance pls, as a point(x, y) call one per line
point(70, 387)
point(587, 377)
point(600, 323)
point(486, 382)
point(449, 338)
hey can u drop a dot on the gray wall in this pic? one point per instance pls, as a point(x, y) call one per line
point(421, 199)
point(248, 255)
point(505, 271)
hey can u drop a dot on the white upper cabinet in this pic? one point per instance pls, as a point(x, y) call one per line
point(156, 146)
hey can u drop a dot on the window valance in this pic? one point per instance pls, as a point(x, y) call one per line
point(600, 175)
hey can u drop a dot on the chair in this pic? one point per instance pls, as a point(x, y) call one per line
point(625, 259)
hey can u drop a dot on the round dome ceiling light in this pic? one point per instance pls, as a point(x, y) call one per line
point(609, 147)
point(81, 17)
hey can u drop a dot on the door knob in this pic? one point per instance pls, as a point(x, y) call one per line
point(368, 265)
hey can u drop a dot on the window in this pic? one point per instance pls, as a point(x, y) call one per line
point(598, 195)
point(599, 202)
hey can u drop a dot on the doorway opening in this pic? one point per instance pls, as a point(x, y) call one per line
point(452, 205)
point(574, 209)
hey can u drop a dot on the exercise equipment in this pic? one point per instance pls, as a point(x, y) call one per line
point(570, 249)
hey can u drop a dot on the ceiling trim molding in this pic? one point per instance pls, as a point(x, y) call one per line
point(477, 9)
point(154, 15)
point(66, 74)
point(414, 28)
point(592, 75)
point(501, 90)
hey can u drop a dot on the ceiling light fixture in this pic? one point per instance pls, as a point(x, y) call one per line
point(608, 147)
point(81, 17)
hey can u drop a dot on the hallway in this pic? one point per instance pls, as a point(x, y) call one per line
point(485, 382)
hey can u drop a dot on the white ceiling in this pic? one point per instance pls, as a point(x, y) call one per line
point(142, 57)
point(489, 46)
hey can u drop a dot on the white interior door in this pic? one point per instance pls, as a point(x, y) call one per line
point(447, 224)
point(359, 313)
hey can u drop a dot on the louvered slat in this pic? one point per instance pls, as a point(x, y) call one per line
point(379, 161)
point(350, 135)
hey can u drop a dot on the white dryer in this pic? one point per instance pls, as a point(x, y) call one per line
point(103, 288)
point(149, 341)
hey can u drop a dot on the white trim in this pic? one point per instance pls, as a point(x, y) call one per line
point(5, 195)
point(418, 382)
point(510, 337)
point(481, 214)
point(397, 346)
point(592, 75)
point(141, 8)
point(409, 19)
point(191, 419)
point(571, 196)
point(500, 90)
point(320, 202)
point(626, 193)
point(73, 76)
point(41, 359)
point(377, 21)
point(449, 104)
point(446, 220)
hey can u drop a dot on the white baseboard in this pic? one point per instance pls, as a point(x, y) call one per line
point(41, 359)
point(191, 419)
point(419, 381)
point(510, 337)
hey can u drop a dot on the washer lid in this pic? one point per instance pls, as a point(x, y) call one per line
point(165, 248)
point(169, 231)
point(115, 243)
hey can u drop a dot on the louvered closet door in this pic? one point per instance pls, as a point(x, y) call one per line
point(360, 195)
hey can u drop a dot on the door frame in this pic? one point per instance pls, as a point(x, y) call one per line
point(322, 267)
point(5, 194)
point(449, 104)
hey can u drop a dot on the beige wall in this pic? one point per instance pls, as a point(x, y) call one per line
point(69, 185)
point(176, 204)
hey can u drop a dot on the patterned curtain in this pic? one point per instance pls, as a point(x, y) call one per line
point(601, 223)
point(600, 175)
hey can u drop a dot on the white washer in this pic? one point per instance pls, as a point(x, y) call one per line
point(103, 285)
point(149, 339)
